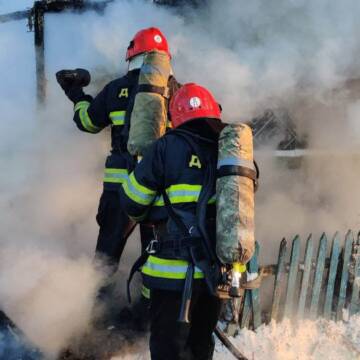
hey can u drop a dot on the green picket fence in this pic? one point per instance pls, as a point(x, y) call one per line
point(321, 284)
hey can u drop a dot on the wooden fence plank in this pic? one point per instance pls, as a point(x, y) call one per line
point(334, 261)
point(255, 299)
point(355, 303)
point(279, 280)
point(319, 270)
point(305, 277)
point(246, 312)
point(251, 306)
point(344, 274)
point(293, 272)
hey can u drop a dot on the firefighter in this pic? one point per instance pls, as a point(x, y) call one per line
point(173, 187)
point(112, 107)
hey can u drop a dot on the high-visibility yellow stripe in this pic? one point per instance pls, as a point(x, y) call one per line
point(161, 261)
point(145, 292)
point(113, 175)
point(178, 193)
point(81, 104)
point(168, 268)
point(137, 192)
point(182, 193)
point(117, 117)
point(82, 107)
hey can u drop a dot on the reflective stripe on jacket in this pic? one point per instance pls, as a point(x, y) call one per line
point(166, 273)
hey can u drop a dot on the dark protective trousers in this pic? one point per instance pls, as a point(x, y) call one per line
point(115, 228)
point(170, 339)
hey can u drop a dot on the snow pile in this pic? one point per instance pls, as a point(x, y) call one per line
point(307, 340)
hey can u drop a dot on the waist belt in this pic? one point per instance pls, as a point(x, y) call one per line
point(172, 242)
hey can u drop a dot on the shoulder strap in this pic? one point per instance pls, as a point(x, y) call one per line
point(176, 218)
point(173, 85)
point(126, 128)
point(206, 189)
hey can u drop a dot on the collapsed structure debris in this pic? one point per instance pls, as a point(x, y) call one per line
point(36, 22)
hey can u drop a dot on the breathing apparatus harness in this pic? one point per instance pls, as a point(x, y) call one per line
point(201, 251)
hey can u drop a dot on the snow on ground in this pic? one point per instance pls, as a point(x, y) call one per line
point(307, 340)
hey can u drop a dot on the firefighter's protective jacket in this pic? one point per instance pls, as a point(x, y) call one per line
point(112, 107)
point(109, 108)
point(171, 164)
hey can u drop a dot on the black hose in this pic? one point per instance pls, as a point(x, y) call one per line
point(227, 343)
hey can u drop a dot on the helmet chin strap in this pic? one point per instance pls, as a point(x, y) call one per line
point(137, 61)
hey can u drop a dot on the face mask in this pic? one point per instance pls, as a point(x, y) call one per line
point(136, 62)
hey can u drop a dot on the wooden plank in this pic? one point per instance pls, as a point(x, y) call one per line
point(305, 277)
point(319, 271)
point(246, 312)
point(293, 272)
point(344, 274)
point(228, 344)
point(253, 267)
point(279, 281)
point(251, 306)
point(334, 261)
point(355, 303)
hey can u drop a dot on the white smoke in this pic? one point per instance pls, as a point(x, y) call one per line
point(253, 55)
point(50, 296)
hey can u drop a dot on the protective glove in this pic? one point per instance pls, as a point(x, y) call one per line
point(72, 82)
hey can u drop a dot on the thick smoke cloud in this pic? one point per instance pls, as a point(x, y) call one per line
point(294, 55)
point(254, 55)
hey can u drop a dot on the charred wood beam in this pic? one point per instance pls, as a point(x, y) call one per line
point(39, 21)
point(36, 22)
point(80, 5)
point(228, 344)
point(195, 3)
point(269, 270)
point(17, 15)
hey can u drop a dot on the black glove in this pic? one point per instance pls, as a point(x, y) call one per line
point(72, 82)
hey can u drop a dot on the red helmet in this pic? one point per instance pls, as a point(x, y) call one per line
point(193, 101)
point(147, 40)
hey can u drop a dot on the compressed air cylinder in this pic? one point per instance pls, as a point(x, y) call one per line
point(149, 115)
point(235, 241)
